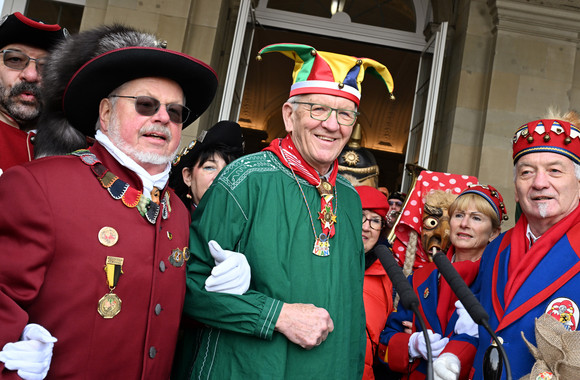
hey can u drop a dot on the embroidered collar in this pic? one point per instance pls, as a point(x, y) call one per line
point(119, 189)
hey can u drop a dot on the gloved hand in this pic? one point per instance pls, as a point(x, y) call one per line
point(31, 355)
point(446, 367)
point(418, 347)
point(232, 272)
point(464, 324)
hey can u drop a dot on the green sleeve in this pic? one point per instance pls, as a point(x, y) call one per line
point(221, 217)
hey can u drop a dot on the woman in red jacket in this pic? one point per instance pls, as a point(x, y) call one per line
point(377, 288)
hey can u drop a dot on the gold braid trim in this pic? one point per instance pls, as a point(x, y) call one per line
point(370, 169)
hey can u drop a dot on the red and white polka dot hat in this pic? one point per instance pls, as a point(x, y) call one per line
point(412, 214)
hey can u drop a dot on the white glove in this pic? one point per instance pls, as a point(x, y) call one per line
point(464, 324)
point(446, 367)
point(31, 355)
point(418, 348)
point(232, 272)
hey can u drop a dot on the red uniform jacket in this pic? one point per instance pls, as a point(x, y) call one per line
point(15, 146)
point(52, 270)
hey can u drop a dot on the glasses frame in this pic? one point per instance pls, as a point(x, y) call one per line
point(356, 113)
point(365, 219)
point(158, 107)
point(40, 62)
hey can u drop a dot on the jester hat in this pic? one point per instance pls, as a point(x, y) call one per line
point(321, 72)
point(553, 136)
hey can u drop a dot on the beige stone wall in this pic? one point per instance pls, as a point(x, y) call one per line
point(509, 75)
point(187, 26)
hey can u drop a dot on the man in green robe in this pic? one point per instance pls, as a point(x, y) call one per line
point(299, 225)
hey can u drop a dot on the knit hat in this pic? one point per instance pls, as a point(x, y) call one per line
point(17, 28)
point(372, 199)
point(547, 135)
point(320, 72)
point(491, 195)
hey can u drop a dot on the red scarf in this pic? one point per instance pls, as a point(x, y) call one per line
point(523, 261)
point(446, 302)
point(292, 159)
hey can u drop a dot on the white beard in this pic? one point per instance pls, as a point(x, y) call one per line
point(139, 155)
point(543, 209)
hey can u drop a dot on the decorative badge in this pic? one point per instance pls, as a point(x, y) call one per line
point(426, 293)
point(108, 236)
point(545, 376)
point(110, 303)
point(179, 256)
point(565, 311)
point(321, 246)
point(327, 217)
point(325, 189)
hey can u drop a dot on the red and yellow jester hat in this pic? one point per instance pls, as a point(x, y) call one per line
point(554, 136)
point(321, 72)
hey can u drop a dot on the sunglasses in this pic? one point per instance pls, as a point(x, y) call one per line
point(148, 106)
point(17, 60)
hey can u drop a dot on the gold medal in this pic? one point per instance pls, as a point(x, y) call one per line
point(324, 188)
point(327, 217)
point(109, 305)
point(108, 236)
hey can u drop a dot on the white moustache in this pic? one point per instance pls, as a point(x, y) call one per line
point(156, 129)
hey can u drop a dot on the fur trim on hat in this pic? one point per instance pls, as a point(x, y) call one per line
point(55, 135)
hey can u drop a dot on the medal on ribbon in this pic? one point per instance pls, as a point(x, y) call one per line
point(110, 303)
point(327, 217)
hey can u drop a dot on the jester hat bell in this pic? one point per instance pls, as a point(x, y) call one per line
point(320, 72)
point(547, 135)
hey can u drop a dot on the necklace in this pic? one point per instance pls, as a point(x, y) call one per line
point(321, 242)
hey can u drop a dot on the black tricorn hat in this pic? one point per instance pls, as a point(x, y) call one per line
point(17, 28)
point(102, 74)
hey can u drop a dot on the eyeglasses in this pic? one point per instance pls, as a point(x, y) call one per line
point(321, 112)
point(374, 223)
point(395, 203)
point(148, 106)
point(17, 60)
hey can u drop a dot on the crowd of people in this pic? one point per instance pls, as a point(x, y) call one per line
point(123, 259)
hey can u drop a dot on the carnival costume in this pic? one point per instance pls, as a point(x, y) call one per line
point(94, 246)
point(65, 230)
point(437, 307)
point(518, 283)
point(16, 145)
point(301, 233)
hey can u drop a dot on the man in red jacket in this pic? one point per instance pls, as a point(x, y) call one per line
point(24, 45)
point(94, 243)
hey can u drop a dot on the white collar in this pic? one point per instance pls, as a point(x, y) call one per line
point(531, 237)
point(157, 180)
